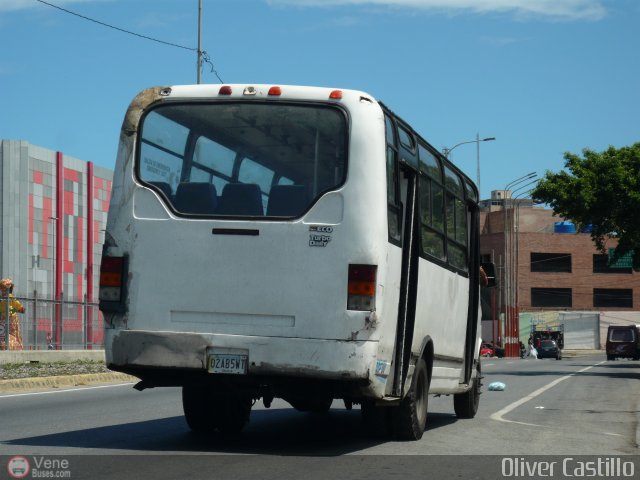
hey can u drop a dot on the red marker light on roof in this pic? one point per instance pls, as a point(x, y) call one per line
point(224, 90)
point(336, 95)
point(275, 91)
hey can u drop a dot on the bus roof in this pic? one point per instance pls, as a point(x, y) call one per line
point(266, 91)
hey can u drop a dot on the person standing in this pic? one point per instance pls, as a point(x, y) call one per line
point(15, 307)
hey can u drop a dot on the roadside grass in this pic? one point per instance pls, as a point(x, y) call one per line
point(11, 371)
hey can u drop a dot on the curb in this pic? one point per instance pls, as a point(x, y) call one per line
point(35, 383)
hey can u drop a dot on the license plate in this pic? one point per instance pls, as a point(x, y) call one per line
point(234, 364)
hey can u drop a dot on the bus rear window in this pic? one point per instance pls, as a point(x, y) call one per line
point(244, 159)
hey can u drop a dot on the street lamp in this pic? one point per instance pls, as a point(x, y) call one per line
point(447, 151)
point(509, 282)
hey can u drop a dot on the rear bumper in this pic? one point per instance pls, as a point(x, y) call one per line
point(623, 351)
point(548, 354)
point(136, 351)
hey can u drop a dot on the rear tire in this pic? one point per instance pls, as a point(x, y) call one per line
point(206, 411)
point(197, 409)
point(466, 404)
point(409, 419)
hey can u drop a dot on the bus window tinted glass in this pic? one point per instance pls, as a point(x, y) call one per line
point(245, 143)
point(215, 156)
point(158, 166)
point(165, 133)
point(453, 182)
point(438, 207)
point(406, 139)
point(389, 131)
point(429, 164)
point(461, 221)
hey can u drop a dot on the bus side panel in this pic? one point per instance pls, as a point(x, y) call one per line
point(441, 313)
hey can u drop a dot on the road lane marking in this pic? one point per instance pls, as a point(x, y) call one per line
point(49, 392)
point(499, 415)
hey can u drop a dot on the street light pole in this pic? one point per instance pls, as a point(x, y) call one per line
point(508, 280)
point(447, 151)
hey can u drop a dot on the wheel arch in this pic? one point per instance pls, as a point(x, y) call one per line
point(426, 353)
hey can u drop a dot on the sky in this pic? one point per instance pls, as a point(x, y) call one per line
point(543, 77)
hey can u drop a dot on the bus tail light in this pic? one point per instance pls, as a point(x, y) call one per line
point(113, 271)
point(362, 287)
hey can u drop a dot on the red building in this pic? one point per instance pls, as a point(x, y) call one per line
point(54, 212)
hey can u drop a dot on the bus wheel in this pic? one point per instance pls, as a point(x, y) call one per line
point(197, 409)
point(410, 417)
point(466, 404)
point(233, 412)
point(205, 411)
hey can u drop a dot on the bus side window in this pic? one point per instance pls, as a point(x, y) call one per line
point(456, 220)
point(431, 204)
point(394, 211)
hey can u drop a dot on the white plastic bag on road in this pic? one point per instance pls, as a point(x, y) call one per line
point(497, 386)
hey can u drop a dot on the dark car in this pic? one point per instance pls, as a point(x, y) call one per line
point(549, 349)
point(623, 341)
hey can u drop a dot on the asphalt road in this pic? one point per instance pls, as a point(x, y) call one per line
point(576, 406)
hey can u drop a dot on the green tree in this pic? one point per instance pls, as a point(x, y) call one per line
point(601, 189)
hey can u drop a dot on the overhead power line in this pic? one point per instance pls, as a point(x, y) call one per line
point(205, 55)
point(117, 28)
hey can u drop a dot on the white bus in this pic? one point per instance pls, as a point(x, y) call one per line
point(290, 242)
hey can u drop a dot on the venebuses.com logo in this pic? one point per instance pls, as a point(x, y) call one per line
point(38, 467)
point(18, 467)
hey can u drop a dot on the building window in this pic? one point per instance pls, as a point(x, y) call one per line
point(613, 297)
point(551, 297)
point(551, 262)
point(601, 264)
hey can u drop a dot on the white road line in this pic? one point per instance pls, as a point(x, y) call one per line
point(499, 415)
point(50, 392)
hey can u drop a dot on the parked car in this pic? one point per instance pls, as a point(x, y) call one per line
point(487, 350)
point(623, 341)
point(549, 349)
point(491, 350)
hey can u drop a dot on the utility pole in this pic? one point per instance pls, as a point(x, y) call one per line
point(478, 164)
point(199, 75)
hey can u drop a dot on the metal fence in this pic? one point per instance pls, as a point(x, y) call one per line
point(57, 325)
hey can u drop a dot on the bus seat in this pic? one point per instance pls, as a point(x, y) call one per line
point(287, 200)
point(198, 197)
point(241, 199)
point(164, 187)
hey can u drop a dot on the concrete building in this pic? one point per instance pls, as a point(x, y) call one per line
point(54, 211)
